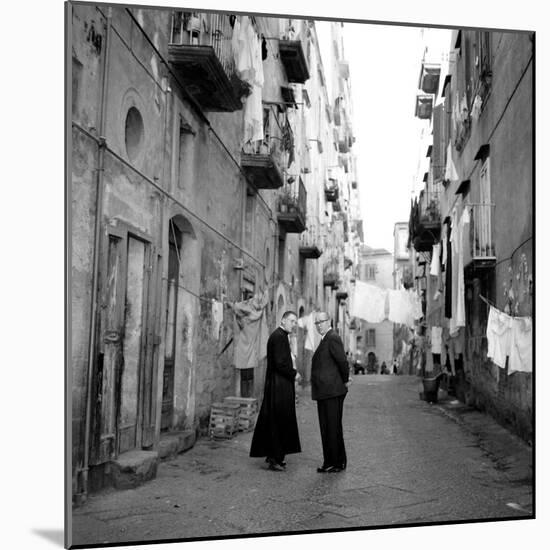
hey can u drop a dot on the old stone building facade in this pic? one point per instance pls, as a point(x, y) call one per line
point(375, 266)
point(476, 209)
point(209, 167)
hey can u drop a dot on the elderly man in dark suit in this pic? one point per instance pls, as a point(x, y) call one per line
point(329, 384)
point(276, 432)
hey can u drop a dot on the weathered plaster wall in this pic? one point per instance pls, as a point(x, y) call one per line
point(504, 124)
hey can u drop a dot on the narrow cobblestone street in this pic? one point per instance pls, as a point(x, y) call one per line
point(408, 462)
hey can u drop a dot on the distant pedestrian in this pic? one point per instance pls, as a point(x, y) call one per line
point(395, 366)
point(329, 384)
point(384, 369)
point(276, 431)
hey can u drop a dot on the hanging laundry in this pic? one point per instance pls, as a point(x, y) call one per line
point(312, 336)
point(253, 115)
point(416, 305)
point(521, 345)
point(217, 318)
point(400, 307)
point(247, 53)
point(450, 170)
point(264, 48)
point(369, 302)
point(434, 266)
point(444, 245)
point(251, 331)
point(476, 108)
point(448, 273)
point(436, 340)
point(463, 229)
point(499, 333)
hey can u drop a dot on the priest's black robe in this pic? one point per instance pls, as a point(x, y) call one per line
point(276, 431)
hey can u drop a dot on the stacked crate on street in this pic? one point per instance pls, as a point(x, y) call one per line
point(248, 411)
point(224, 420)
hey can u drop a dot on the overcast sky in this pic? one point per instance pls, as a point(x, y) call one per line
point(385, 65)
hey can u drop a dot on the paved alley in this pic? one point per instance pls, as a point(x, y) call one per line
point(408, 462)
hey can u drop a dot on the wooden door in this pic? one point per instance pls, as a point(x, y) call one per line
point(110, 358)
point(149, 394)
point(134, 343)
point(125, 375)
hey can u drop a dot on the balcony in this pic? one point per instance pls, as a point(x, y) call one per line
point(201, 55)
point(330, 274)
point(343, 161)
point(291, 214)
point(424, 105)
point(262, 161)
point(344, 143)
point(429, 78)
point(294, 61)
point(426, 221)
point(310, 242)
point(331, 191)
point(482, 246)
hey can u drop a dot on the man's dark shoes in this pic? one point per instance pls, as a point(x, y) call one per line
point(275, 466)
point(273, 461)
point(329, 469)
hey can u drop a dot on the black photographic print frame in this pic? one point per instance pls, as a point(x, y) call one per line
point(371, 535)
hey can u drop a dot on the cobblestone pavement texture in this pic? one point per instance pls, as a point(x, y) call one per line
point(409, 462)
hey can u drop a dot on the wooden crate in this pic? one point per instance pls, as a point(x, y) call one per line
point(224, 420)
point(248, 411)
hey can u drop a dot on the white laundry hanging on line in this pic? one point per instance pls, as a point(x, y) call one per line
point(521, 345)
point(450, 170)
point(460, 320)
point(217, 318)
point(436, 339)
point(249, 67)
point(416, 305)
point(312, 336)
point(499, 334)
point(400, 307)
point(434, 265)
point(369, 302)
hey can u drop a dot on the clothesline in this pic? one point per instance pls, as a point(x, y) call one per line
point(490, 304)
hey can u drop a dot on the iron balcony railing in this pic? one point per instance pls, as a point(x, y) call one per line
point(312, 236)
point(429, 206)
point(483, 246)
point(205, 29)
point(294, 197)
point(277, 141)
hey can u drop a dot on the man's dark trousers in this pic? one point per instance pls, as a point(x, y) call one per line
point(330, 413)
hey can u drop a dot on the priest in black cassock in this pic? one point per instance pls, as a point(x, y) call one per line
point(276, 432)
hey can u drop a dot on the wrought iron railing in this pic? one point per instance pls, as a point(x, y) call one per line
point(482, 243)
point(294, 197)
point(312, 236)
point(277, 141)
point(429, 206)
point(205, 29)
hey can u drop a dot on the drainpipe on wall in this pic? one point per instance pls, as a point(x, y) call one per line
point(95, 275)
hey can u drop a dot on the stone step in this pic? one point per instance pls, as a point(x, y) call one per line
point(173, 443)
point(133, 468)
